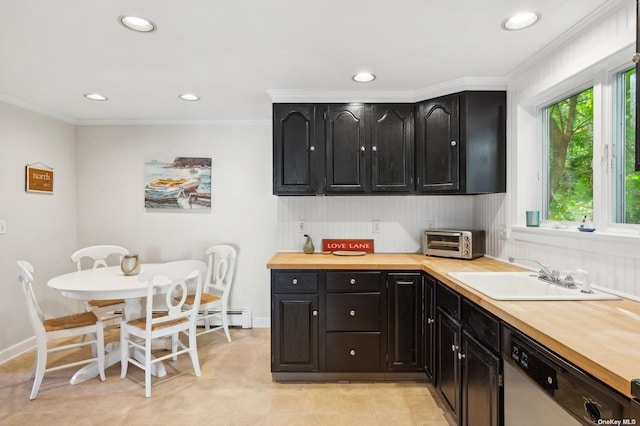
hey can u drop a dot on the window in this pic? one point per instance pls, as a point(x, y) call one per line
point(627, 181)
point(569, 153)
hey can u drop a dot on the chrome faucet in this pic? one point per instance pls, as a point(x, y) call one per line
point(545, 274)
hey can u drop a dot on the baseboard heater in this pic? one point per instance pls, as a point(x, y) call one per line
point(237, 318)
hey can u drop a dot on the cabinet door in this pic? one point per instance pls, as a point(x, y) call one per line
point(346, 149)
point(448, 348)
point(438, 145)
point(480, 384)
point(429, 337)
point(391, 130)
point(298, 150)
point(405, 326)
point(294, 325)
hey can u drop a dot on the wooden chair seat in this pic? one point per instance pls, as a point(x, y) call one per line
point(204, 298)
point(104, 303)
point(70, 321)
point(142, 322)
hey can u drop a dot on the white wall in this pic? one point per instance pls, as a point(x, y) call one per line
point(111, 208)
point(402, 218)
point(41, 228)
point(613, 261)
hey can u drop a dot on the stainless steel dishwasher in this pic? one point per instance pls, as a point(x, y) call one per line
point(540, 388)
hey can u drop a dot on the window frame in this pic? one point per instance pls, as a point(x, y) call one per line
point(603, 78)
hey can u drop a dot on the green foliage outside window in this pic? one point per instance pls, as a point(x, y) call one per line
point(631, 204)
point(570, 156)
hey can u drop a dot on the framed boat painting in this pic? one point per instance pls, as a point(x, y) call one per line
point(182, 183)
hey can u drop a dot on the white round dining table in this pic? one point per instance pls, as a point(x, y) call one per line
point(106, 283)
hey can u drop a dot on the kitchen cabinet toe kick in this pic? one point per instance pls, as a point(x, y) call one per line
point(349, 376)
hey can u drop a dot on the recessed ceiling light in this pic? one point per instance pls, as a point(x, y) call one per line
point(95, 97)
point(363, 77)
point(189, 97)
point(521, 21)
point(136, 23)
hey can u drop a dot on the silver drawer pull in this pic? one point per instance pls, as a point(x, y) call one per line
point(352, 352)
point(454, 348)
point(430, 321)
point(454, 143)
point(312, 148)
point(315, 313)
point(294, 281)
point(352, 313)
point(352, 281)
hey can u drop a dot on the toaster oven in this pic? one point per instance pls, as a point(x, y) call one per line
point(454, 244)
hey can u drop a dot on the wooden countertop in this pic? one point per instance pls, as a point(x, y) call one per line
point(601, 337)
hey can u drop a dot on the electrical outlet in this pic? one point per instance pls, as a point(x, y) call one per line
point(301, 227)
point(377, 226)
point(429, 224)
point(3, 227)
point(504, 231)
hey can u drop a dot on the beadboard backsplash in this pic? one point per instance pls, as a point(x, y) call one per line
point(402, 219)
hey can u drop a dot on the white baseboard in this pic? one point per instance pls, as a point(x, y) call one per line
point(17, 349)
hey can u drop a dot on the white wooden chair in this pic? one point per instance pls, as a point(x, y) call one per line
point(214, 301)
point(46, 330)
point(105, 309)
point(169, 279)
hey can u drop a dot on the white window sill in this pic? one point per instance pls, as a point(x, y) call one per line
point(599, 242)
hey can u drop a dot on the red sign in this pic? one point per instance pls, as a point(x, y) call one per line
point(348, 245)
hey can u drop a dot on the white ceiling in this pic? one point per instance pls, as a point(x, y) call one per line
point(231, 52)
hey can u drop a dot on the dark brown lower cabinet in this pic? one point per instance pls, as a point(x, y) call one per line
point(294, 336)
point(480, 370)
point(468, 362)
point(405, 322)
point(448, 366)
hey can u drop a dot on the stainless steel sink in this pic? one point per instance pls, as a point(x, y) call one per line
point(523, 286)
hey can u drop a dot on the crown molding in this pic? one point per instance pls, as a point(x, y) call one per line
point(81, 123)
point(34, 108)
point(410, 96)
point(294, 96)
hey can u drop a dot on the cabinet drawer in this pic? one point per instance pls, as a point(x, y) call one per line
point(353, 312)
point(481, 325)
point(353, 281)
point(448, 300)
point(353, 352)
point(294, 281)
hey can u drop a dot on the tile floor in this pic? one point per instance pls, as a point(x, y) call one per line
point(235, 389)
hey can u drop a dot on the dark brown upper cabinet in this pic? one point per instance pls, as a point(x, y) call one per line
point(298, 149)
point(369, 148)
point(461, 143)
point(391, 149)
point(337, 149)
point(346, 149)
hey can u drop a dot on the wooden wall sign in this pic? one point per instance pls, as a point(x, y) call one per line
point(348, 245)
point(39, 178)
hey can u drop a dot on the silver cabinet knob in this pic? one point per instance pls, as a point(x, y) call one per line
point(454, 143)
point(352, 281)
point(312, 148)
point(461, 355)
point(352, 352)
point(374, 149)
point(315, 313)
point(430, 321)
point(352, 313)
point(294, 281)
point(454, 348)
point(362, 148)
